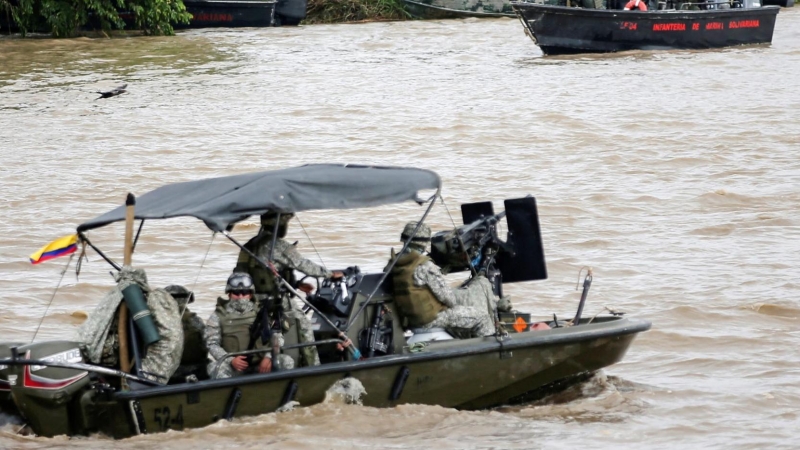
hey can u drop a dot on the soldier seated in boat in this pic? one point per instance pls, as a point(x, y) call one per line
point(228, 330)
point(286, 260)
point(195, 353)
point(424, 298)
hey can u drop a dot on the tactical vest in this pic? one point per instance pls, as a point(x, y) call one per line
point(263, 278)
point(235, 329)
point(194, 347)
point(416, 303)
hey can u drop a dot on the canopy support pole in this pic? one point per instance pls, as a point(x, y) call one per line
point(122, 324)
point(102, 255)
point(389, 268)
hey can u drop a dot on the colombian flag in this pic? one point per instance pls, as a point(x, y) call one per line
point(59, 247)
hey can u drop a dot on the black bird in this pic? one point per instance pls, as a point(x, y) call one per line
point(113, 92)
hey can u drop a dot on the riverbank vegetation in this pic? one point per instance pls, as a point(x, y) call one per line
point(65, 18)
point(339, 11)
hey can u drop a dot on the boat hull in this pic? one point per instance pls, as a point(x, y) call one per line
point(468, 374)
point(562, 30)
point(458, 9)
point(213, 13)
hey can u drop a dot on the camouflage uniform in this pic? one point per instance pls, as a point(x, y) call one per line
point(285, 258)
point(466, 307)
point(220, 367)
point(467, 310)
point(195, 353)
point(99, 335)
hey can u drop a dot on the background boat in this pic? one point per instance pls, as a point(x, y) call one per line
point(229, 13)
point(563, 30)
point(456, 9)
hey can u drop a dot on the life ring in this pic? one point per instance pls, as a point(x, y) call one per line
point(636, 4)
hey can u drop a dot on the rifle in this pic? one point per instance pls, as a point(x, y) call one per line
point(261, 329)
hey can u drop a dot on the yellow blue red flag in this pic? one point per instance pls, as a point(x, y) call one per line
point(60, 247)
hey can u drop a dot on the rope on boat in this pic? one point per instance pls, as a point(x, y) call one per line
point(202, 263)
point(63, 272)
point(296, 216)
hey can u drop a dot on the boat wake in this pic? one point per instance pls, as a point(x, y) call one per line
point(347, 391)
point(7, 419)
point(600, 398)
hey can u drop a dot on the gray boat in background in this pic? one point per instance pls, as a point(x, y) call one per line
point(458, 9)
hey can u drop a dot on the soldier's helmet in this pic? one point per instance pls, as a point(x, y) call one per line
point(422, 235)
point(268, 222)
point(181, 295)
point(240, 281)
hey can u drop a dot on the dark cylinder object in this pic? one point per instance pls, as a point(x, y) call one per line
point(134, 298)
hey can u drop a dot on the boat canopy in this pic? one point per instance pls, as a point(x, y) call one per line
point(221, 202)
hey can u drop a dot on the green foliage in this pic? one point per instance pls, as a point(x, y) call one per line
point(64, 18)
point(335, 11)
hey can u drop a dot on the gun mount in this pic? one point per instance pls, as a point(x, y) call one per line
point(476, 244)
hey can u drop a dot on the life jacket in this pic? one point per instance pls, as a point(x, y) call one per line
point(263, 278)
point(417, 304)
point(235, 329)
point(194, 346)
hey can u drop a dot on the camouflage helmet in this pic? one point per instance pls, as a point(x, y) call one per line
point(181, 295)
point(268, 219)
point(423, 234)
point(240, 281)
point(268, 222)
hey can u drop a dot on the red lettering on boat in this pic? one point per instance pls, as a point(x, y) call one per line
point(209, 17)
point(715, 26)
point(669, 27)
point(744, 24)
point(628, 26)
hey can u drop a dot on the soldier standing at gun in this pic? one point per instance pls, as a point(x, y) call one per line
point(426, 301)
point(285, 259)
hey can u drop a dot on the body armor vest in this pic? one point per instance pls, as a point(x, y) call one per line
point(263, 278)
point(416, 303)
point(235, 329)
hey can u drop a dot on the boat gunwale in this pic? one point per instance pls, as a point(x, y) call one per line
point(612, 328)
point(671, 14)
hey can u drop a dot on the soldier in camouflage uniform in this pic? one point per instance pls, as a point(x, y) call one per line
point(425, 299)
point(228, 331)
point(286, 260)
point(99, 335)
point(195, 353)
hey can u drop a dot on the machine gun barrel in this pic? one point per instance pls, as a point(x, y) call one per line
point(462, 248)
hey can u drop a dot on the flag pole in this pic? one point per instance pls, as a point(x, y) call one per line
point(122, 324)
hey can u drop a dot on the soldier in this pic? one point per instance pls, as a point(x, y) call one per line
point(286, 259)
point(99, 335)
point(195, 353)
point(228, 331)
point(426, 301)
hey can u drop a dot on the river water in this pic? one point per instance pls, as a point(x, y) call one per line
point(673, 174)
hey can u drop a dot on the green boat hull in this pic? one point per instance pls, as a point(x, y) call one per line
point(463, 374)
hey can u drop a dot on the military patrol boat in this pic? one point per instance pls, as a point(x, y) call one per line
point(56, 392)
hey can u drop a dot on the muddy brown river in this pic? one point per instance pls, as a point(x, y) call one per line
point(675, 175)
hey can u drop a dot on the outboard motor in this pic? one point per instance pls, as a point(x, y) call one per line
point(49, 397)
point(7, 405)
